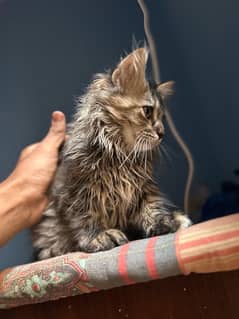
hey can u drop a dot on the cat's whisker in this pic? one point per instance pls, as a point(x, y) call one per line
point(127, 157)
point(170, 151)
point(166, 154)
point(135, 151)
point(148, 152)
point(134, 156)
point(146, 157)
point(151, 154)
point(141, 152)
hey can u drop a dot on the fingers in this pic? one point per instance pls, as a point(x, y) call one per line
point(39, 208)
point(56, 134)
point(55, 137)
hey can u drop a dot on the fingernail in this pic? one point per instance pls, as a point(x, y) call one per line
point(57, 116)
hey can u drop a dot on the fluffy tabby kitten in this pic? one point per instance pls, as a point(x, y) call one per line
point(103, 194)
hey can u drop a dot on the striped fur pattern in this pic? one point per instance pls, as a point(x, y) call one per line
point(103, 194)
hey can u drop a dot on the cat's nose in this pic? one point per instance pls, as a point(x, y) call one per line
point(159, 131)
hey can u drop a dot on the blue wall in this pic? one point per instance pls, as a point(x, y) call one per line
point(50, 49)
point(198, 47)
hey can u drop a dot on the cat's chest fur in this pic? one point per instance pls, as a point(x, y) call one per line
point(107, 191)
point(116, 188)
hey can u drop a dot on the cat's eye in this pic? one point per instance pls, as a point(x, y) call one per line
point(148, 111)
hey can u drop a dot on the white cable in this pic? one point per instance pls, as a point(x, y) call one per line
point(177, 136)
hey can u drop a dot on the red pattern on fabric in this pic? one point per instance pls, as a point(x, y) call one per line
point(209, 255)
point(210, 246)
point(209, 239)
point(82, 274)
point(150, 259)
point(122, 265)
point(178, 254)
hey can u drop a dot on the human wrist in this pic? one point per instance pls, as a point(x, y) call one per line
point(20, 186)
point(14, 188)
point(13, 213)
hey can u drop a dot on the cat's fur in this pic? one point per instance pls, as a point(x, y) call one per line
point(103, 193)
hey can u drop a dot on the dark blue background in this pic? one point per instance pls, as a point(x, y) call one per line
point(49, 51)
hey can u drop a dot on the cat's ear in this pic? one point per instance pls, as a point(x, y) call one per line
point(166, 89)
point(129, 75)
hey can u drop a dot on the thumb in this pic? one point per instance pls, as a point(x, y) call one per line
point(56, 134)
point(27, 151)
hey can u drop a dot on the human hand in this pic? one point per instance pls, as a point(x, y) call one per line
point(23, 193)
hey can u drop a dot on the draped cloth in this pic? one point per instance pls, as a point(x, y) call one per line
point(203, 248)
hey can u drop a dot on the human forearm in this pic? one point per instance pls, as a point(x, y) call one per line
point(16, 208)
point(11, 206)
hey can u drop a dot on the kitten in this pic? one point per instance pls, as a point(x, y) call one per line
point(103, 194)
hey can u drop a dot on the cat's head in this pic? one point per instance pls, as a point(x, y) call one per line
point(131, 105)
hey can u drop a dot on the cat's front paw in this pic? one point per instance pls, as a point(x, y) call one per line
point(182, 220)
point(106, 240)
point(167, 223)
point(163, 224)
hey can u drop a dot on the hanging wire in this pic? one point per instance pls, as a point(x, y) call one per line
point(177, 136)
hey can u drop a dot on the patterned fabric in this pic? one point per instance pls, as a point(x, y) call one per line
point(209, 247)
point(206, 247)
point(138, 261)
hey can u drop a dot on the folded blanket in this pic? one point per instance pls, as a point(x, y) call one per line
point(207, 247)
